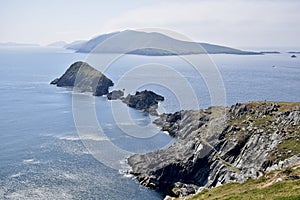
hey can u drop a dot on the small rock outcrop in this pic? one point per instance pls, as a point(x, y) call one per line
point(84, 78)
point(219, 145)
point(115, 95)
point(293, 56)
point(146, 101)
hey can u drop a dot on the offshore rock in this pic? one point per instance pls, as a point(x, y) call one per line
point(146, 101)
point(115, 95)
point(84, 78)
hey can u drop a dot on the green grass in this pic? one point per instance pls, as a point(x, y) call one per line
point(289, 145)
point(266, 187)
point(263, 188)
point(280, 190)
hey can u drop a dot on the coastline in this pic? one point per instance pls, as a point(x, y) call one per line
point(212, 150)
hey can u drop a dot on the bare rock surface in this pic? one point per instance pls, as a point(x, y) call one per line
point(146, 101)
point(219, 145)
point(85, 78)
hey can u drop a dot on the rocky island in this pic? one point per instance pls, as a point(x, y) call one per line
point(146, 101)
point(222, 145)
point(85, 78)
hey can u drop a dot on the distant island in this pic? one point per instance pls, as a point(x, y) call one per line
point(14, 44)
point(58, 44)
point(294, 52)
point(138, 43)
point(270, 52)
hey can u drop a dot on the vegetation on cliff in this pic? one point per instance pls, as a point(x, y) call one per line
point(221, 145)
point(281, 184)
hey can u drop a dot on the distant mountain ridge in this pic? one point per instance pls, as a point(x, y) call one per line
point(57, 44)
point(151, 44)
point(14, 44)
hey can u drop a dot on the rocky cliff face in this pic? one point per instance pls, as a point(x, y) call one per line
point(85, 78)
point(221, 145)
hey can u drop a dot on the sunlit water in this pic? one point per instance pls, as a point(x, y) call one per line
point(41, 154)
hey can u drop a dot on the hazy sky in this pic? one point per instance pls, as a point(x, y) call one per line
point(238, 23)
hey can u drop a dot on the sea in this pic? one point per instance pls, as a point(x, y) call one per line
point(58, 143)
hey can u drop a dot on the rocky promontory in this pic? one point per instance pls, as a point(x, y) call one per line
point(146, 101)
point(220, 145)
point(85, 78)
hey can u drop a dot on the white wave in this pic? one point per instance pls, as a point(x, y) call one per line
point(72, 136)
point(166, 132)
point(70, 176)
point(82, 137)
point(65, 111)
point(63, 91)
point(66, 137)
point(127, 175)
point(16, 175)
point(40, 193)
point(30, 161)
point(125, 123)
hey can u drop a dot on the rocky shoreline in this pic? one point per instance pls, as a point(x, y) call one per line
point(220, 145)
point(214, 146)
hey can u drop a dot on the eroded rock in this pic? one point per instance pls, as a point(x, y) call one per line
point(220, 145)
point(146, 101)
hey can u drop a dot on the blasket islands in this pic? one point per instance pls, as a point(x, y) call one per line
point(244, 150)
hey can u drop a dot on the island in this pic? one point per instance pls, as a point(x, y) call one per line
point(150, 44)
point(146, 101)
point(84, 78)
point(270, 52)
point(294, 52)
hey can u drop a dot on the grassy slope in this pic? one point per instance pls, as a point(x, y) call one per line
point(263, 188)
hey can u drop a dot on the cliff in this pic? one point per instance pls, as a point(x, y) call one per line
point(221, 145)
point(85, 78)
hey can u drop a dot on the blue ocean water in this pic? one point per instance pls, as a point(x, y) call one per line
point(43, 157)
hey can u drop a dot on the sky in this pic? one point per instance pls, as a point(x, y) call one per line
point(236, 23)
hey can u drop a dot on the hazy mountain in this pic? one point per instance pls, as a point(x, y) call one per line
point(75, 45)
point(57, 44)
point(16, 44)
point(91, 44)
point(152, 44)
